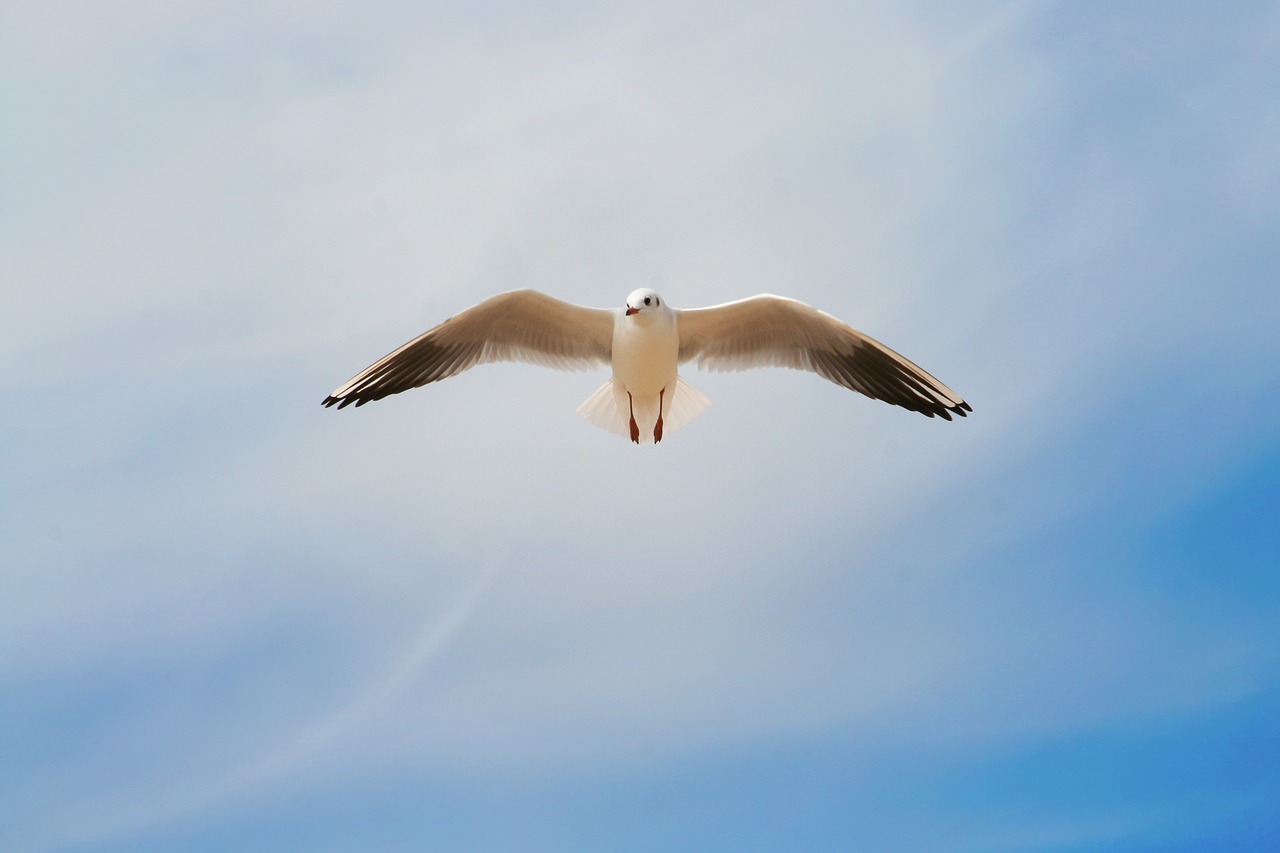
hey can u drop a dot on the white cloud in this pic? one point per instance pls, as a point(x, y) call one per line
point(251, 205)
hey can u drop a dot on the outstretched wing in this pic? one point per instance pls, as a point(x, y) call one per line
point(772, 331)
point(522, 325)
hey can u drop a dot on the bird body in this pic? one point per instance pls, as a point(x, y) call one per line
point(645, 343)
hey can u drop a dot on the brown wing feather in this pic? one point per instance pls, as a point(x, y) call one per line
point(771, 331)
point(522, 325)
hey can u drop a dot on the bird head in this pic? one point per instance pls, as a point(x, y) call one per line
point(643, 301)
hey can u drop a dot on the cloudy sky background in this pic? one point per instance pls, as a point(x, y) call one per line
point(465, 619)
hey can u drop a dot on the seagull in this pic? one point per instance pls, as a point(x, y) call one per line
point(645, 343)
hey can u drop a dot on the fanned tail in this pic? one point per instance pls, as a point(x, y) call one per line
point(607, 409)
point(685, 405)
point(603, 409)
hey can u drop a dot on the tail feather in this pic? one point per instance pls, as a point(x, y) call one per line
point(686, 404)
point(603, 409)
point(607, 408)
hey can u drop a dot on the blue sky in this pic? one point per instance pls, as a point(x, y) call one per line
point(463, 618)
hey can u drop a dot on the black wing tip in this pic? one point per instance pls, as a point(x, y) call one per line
point(342, 402)
point(960, 410)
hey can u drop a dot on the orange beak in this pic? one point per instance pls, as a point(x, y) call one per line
point(631, 310)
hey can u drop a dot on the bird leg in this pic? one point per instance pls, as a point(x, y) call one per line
point(635, 428)
point(657, 428)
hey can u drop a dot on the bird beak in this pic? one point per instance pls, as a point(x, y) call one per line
point(631, 310)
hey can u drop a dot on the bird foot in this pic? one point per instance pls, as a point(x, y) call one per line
point(657, 427)
point(635, 427)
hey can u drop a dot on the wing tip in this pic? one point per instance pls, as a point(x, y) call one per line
point(342, 402)
point(960, 409)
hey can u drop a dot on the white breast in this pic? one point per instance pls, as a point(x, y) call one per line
point(645, 353)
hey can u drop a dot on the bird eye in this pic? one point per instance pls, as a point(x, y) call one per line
point(647, 300)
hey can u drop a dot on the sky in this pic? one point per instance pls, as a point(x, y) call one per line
point(464, 619)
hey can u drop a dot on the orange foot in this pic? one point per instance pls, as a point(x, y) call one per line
point(635, 427)
point(657, 428)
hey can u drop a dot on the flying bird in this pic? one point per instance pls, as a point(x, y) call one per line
point(645, 343)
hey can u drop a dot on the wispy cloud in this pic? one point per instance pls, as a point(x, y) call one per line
point(215, 213)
